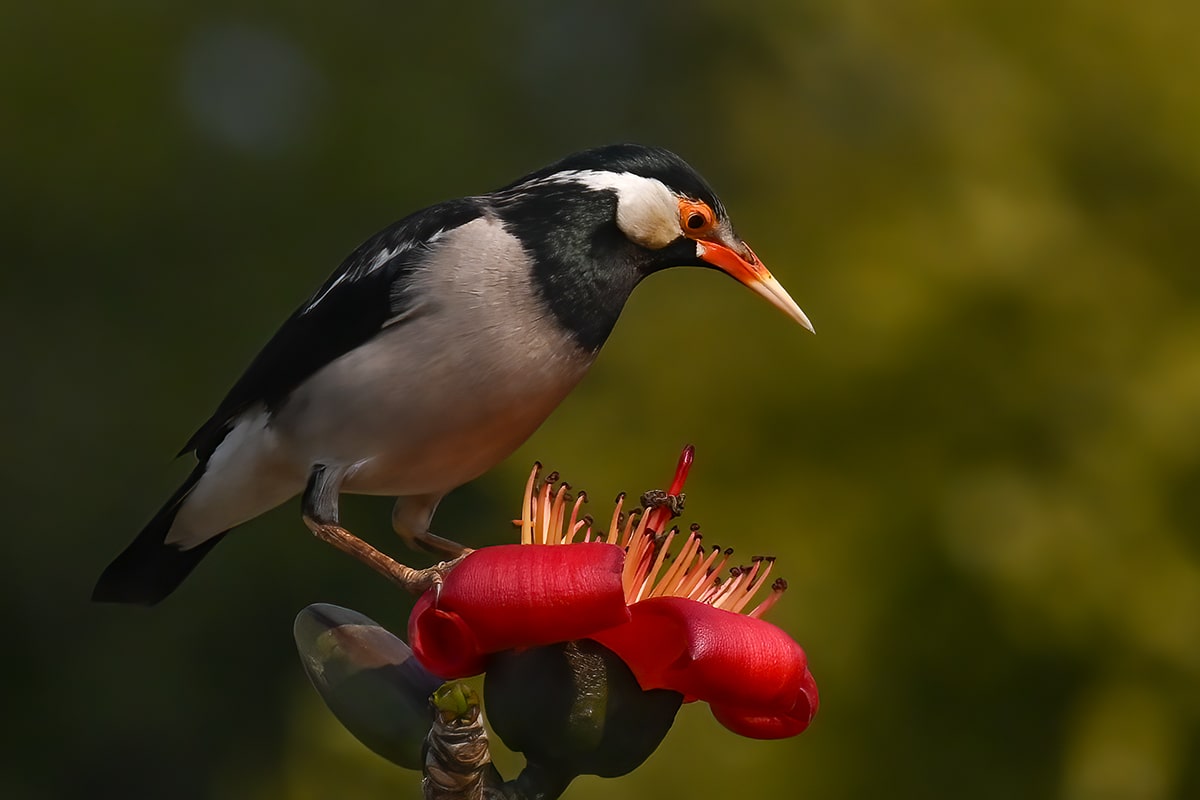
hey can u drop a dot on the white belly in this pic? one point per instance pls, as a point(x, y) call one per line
point(414, 420)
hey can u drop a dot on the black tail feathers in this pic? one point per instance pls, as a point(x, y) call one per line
point(149, 569)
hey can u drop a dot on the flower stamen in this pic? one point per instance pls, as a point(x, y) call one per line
point(644, 558)
point(542, 512)
point(646, 572)
point(663, 549)
point(634, 552)
point(574, 525)
point(757, 579)
point(558, 509)
point(698, 591)
point(527, 510)
point(777, 590)
point(703, 572)
point(710, 591)
point(633, 527)
point(618, 519)
point(687, 555)
point(728, 594)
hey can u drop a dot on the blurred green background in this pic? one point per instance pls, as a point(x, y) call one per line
point(981, 477)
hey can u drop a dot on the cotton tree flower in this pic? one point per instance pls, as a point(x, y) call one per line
point(679, 616)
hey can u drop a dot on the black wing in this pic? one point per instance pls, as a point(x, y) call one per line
point(353, 305)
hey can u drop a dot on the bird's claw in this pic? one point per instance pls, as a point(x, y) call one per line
point(415, 581)
point(420, 581)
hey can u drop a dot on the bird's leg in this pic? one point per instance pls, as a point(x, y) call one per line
point(320, 508)
point(410, 520)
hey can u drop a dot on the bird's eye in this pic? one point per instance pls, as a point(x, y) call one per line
point(696, 218)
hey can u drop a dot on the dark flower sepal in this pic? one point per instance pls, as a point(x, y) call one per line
point(574, 708)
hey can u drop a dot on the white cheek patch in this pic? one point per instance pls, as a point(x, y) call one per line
point(647, 211)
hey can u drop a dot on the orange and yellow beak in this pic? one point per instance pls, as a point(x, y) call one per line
point(745, 267)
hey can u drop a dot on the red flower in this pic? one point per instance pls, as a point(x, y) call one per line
point(677, 626)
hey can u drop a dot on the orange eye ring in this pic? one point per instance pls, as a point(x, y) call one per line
point(696, 219)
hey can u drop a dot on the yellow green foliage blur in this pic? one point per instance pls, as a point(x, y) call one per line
point(981, 477)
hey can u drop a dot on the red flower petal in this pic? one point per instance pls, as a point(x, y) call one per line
point(443, 642)
point(517, 596)
point(753, 674)
point(773, 726)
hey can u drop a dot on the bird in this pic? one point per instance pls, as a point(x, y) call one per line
point(435, 349)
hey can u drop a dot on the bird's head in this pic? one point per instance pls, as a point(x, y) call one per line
point(661, 207)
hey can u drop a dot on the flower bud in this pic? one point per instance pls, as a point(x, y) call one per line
point(369, 679)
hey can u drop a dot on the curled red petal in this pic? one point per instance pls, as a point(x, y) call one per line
point(780, 725)
point(751, 672)
point(443, 642)
point(510, 596)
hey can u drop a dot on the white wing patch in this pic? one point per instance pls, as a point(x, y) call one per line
point(363, 269)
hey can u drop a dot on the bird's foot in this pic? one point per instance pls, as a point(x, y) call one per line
point(440, 546)
point(416, 581)
point(410, 519)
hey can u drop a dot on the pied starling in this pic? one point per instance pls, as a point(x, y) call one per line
point(435, 350)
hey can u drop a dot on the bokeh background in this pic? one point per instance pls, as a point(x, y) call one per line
point(981, 477)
